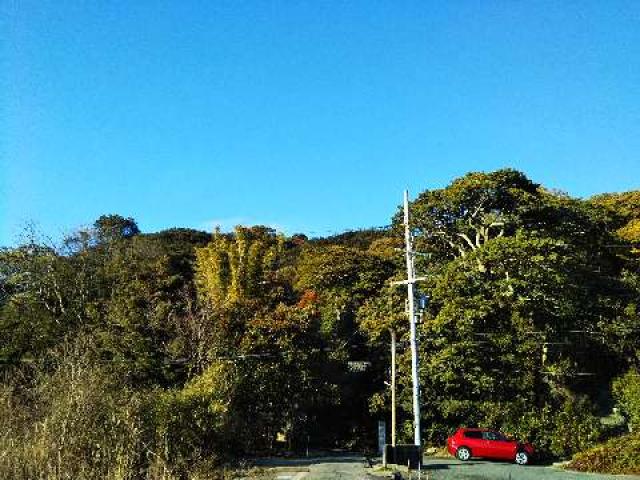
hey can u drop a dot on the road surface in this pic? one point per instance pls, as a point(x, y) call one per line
point(355, 467)
point(449, 469)
point(334, 467)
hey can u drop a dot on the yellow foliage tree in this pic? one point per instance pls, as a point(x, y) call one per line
point(239, 265)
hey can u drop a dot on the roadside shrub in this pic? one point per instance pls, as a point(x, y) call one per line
point(626, 391)
point(616, 456)
point(556, 431)
point(576, 428)
point(191, 422)
point(524, 422)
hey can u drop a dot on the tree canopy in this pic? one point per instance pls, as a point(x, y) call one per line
point(195, 347)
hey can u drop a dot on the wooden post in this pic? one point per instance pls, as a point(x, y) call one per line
point(393, 387)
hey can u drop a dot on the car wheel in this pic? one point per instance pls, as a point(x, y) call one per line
point(463, 454)
point(522, 458)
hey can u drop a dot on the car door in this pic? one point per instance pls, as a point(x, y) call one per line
point(498, 446)
point(473, 440)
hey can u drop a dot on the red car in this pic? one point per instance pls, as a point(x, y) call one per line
point(481, 442)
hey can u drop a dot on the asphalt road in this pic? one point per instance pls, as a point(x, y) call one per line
point(445, 469)
point(334, 467)
point(355, 467)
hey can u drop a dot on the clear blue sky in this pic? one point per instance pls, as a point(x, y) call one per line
point(310, 116)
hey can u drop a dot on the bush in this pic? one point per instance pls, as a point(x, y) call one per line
point(191, 422)
point(616, 456)
point(555, 430)
point(626, 391)
point(575, 428)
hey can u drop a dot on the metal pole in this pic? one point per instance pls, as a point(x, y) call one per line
point(412, 322)
point(393, 387)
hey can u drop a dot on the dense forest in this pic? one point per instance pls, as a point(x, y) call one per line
point(133, 355)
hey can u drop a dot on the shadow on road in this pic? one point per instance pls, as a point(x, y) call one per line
point(445, 466)
point(306, 461)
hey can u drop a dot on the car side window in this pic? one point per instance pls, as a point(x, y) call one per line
point(476, 435)
point(491, 436)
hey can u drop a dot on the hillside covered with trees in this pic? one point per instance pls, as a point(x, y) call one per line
point(163, 355)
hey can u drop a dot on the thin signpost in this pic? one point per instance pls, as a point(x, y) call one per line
point(393, 387)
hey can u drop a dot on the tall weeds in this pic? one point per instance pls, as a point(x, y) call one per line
point(71, 418)
point(76, 422)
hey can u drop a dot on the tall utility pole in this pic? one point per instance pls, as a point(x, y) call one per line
point(411, 310)
point(411, 280)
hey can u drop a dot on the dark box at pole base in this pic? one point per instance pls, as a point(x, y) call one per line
point(403, 455)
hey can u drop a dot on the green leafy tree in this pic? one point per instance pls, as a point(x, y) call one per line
point(341, 280)
point(624, 212)
point(524, 288)
point(502, 335)
point(109, 228)
point(474, 209)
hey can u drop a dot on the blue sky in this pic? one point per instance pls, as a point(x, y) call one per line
point(309, 116)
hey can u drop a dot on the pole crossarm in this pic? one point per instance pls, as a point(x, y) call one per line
point(410, 280)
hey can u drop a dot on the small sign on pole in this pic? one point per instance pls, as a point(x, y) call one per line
point(382, 436)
